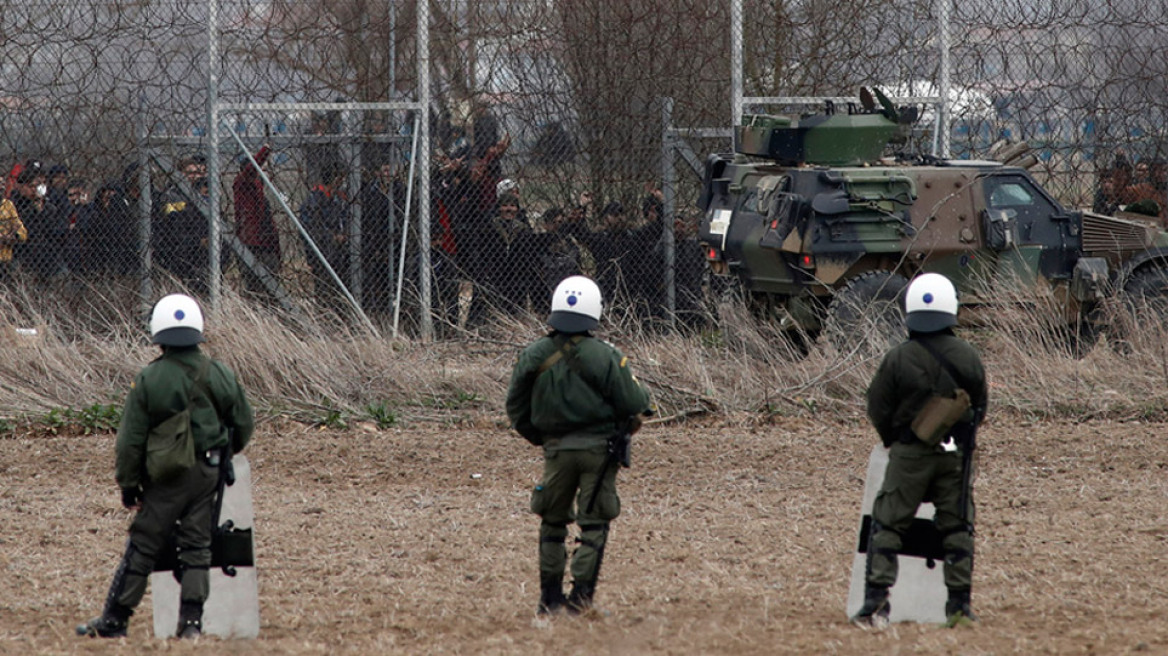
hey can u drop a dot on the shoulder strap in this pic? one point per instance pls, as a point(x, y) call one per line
point(944, 362)
point(200, 384)
point(567, 352)
point(567, 349)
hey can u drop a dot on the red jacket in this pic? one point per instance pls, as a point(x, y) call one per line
point(253, 215)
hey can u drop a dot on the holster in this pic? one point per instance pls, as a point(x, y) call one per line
point(940, 414)
point(620, 448)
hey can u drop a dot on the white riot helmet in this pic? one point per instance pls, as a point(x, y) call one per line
point(176, 321)
point(506, 185)
point(930, 304)
point(576, 305)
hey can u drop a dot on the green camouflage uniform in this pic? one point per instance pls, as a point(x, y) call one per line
point(158, 392)
point(572, 410)
point(908, 376)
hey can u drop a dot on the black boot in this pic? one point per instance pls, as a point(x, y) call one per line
point(111, 623)
point(958, 609)
point(876, 608)
point(580, 599)
point(551, 598)
point(190, 620)
point(115, 616)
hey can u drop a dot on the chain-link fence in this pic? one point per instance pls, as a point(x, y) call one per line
point(429, 167)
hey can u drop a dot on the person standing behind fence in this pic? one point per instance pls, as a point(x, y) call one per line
point(690, 265)
point(254, 225)
point(322, 146)
point(12, 232)
point(58, 183)
point(571, 393)
point(610, 246)
point(325, 215)
point(445, 242)
point(382, 211)
point(43, 253)
point(507, 278)
point(75, 206)
point(191, 167)
point(182, 239)
point(108, 233)
point(180, 504)
point(486, 154)
point(645, 271)
point(561, 249)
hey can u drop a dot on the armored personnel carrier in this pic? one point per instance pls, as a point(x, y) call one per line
point(822, 233)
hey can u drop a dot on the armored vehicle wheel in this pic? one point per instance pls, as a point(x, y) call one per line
point(1075, 339)
point(1144, 308)
point(866, 317)
point(751, 322)
point(1147, 293)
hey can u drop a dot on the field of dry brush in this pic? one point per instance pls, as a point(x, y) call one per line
point(736, 538)
point(374, 534)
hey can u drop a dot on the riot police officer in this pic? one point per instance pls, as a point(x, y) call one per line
point(932, 364)
point(572, 393)
point(181, 379)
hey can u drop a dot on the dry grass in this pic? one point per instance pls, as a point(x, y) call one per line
point(746, 371)
point(738, 528)
point(734, 540)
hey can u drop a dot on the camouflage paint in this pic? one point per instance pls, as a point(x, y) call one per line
point(823, 209)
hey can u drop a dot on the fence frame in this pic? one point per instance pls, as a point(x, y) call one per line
point(673, 138)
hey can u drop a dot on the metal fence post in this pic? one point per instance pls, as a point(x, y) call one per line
point(668, 190)
point(423, 170)
point(736, 84)
point(145, 202)
point(352, 154)
point(401, 269)
point(214, 272)
point(944, 8)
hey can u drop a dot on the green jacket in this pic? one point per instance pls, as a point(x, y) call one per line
point(161, 390)
point(909, 375)
point(573, 407)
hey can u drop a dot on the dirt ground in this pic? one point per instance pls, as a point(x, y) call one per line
point(735, 539)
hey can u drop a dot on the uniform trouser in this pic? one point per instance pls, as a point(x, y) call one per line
point(186, 500)
point(571, 476)
point(916, 474)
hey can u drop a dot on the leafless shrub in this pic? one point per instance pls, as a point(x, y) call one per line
point(743, 368)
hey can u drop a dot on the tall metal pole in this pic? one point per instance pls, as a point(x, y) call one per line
point(213, 246)
point(401, 268)
point(944, 8)
point(392, 50)
point(146, 285)
point(422, 168)
point(357, 220)
point(736, 61)
point(667, 209)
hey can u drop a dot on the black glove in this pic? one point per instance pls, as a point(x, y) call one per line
point(131, 496)
point(635, 423)
point(529, 433)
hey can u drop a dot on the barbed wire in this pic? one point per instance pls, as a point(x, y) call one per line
point(572, 114)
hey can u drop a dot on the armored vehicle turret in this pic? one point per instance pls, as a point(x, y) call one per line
point(823, 234)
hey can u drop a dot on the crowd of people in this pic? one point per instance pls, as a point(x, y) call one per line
point(490, 251)
point(53, 225)
point(1140, 187)
point(486, 238)
point(50, 225)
